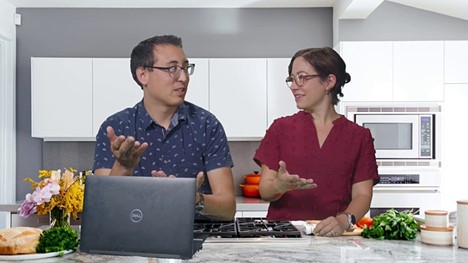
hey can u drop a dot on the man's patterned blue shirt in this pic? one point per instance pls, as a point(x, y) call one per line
point(195, 141)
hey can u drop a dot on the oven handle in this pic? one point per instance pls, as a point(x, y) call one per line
point(420, 189)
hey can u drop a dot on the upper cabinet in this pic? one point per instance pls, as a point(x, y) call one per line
point(456, 62)
point(394, 70)
point(113, 88)
point(280, 100)
point(85, 91)
point(418, 71)
point(370, 67)
point(61, 97)
point(199, 86)
point(238, 91)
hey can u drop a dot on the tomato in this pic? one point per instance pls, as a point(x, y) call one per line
point(365, 221)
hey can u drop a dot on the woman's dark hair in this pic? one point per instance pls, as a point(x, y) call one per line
point(325, 61)
point(142, 54)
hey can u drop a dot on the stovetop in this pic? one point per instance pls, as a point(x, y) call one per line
point(247, 227)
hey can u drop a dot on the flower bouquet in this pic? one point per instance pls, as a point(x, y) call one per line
point(56, 194)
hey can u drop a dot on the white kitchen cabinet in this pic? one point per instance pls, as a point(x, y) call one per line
point(113, 88)
point(456, 62)
point(61, 98)
point(394, 70)
point(280, 100)
point(199, 86)
point(418, 71)
point(370, 67)
point(454, 126)
point(238, 92)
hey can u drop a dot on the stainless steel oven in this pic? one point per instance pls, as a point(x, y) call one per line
point(407, 144)
point(400, 132)
point(407, 188)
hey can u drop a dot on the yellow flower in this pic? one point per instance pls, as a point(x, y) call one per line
point(64, 191)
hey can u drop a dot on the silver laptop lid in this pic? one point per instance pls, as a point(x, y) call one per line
point(140, 216)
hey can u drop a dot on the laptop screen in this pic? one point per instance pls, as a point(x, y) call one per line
point(139, 216)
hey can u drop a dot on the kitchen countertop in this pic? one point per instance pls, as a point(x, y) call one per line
point(310, 249)
point(314, 249)
point(248, 203)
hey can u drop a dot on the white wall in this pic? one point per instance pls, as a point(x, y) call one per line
point(7, 15)
point(7, 108)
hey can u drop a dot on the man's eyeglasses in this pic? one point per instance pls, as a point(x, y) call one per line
point(299, 79)
point(174, 71)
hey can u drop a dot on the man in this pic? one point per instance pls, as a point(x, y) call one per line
point(163, 135)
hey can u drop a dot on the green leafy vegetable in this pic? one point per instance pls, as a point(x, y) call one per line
point(57, 239)
point(392, 225)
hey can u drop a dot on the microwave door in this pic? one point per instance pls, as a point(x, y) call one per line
point(395, 136)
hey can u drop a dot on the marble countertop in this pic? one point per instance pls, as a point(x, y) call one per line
point(310, 249)
point(314, 249)
point(252, 204)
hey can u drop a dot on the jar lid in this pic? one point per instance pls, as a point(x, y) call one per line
point(436, 212)
point(462, 202)
point(437, 229)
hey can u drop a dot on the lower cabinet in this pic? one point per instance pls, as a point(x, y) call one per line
point(454, 180)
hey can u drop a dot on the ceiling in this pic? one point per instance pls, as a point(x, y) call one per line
point(354, 8)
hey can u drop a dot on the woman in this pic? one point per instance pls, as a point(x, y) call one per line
point(316, 164)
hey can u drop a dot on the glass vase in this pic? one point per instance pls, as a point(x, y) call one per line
point(59, 218)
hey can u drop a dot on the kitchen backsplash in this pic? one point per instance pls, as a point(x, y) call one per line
point(79, 155)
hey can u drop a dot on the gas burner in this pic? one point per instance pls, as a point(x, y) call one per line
point(248, 227)
point(259, 227)
point(216, 228)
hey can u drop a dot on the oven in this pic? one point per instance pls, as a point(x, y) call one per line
point(417, 200)
point(400, 132)
point(407, 146)
point(407, 188)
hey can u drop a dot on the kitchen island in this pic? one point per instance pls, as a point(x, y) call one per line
point(313, 249)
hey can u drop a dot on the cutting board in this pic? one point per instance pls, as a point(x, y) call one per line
point(356, 231)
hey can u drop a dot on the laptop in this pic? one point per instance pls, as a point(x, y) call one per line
point(139, 216)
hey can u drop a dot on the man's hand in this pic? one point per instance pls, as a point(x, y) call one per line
point(200, 180)
point(126, 150)
point(155, 173)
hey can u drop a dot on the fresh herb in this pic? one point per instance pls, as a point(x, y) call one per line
point(393, 225)
point(57, 239)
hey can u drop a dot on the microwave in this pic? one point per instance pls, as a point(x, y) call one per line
point(401, 132)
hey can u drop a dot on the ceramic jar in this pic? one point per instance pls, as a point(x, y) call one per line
point(436, 218)
point(462, 223)
point(436, 236)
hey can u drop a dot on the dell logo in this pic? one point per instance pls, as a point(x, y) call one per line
point(136, 215)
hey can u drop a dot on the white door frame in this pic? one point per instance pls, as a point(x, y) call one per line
point(7, 125)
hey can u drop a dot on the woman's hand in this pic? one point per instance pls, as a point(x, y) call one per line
point(273, 184)
point(286, 181)
point(330, 227)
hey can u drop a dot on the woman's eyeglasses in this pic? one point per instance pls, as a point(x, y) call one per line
point(300, 80)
